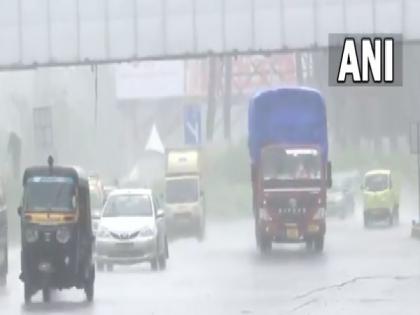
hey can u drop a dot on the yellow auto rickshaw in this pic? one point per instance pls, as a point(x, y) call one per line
point(56, 230)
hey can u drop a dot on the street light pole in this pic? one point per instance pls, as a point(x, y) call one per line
point(418, 166)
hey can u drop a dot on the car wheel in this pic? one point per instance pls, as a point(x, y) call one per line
point(46, 295)
point(27, 293)
point(154, 264)
point(100, 266)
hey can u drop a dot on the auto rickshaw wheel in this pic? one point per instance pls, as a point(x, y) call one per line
point(46, 295)
point(90, 286)
point(27, 293)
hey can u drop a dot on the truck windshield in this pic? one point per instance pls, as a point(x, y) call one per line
point(49, 194)
point(128, 206)
point(377, 182)
point(182, 190)
point(290, 164)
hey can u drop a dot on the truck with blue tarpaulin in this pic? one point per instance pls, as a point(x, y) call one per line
point(290, 171)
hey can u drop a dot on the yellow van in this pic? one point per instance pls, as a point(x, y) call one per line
point(380, 198)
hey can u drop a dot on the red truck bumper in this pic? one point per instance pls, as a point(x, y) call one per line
point(291, 232)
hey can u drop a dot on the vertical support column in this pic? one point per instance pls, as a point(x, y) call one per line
point(418, 166)
point(194, 25)
point(227, 97)
point(49, 45)
point(20, 31)
point(253, 30)
point(211, 106)
point(78, 53)
point(135, 29)
point(164, 26)
point(106, 25)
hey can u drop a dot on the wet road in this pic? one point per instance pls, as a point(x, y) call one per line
point(373, 271)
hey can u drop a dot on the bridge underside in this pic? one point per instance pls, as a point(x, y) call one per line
point(73, 32)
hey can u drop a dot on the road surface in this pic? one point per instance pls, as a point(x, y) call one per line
point(374, 271)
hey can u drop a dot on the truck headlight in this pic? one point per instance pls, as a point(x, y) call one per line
point(103, 232)
point(31, 235)
point(63, 235)
point(319, 214)
point(264, 215)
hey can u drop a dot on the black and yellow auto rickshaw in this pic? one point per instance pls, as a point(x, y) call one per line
point(57, 238)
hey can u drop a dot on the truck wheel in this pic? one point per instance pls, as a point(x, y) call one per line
point(27, 293)
point(391, 219)
point(3, 269)
point(366, 221)
point(46, 295)
point(319, 244)
point(264, 243)
point(3, 280)
point(396, 215)
point(166, 248)
point(200, 227)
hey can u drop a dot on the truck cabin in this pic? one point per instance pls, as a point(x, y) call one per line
point(184, 189)
point(291, 167)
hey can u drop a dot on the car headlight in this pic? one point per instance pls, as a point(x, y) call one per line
point(147, 231)
point(103, 232)
point(319, 214)
point(31, 235)
point(63, 235)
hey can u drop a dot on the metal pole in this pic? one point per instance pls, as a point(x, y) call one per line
point(418, 166)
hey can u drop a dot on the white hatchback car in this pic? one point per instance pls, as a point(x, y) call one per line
point(131, 230)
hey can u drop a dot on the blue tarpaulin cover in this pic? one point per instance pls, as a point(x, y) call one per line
point(290, 116)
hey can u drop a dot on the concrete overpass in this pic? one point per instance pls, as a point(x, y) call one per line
point(38, 33)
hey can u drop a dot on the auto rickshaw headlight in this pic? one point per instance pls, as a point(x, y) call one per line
point(63, 235)
point(31, 235)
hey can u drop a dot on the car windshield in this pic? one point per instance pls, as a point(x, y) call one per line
point(182, 190)
point(128, 206)
point(376, 182)
point(49, 193)
point(290, 164)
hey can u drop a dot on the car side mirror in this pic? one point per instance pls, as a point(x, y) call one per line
point(20, 210)
point(329, 175)
point(160, 213)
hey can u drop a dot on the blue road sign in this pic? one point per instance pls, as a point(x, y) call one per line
point(192, 125)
